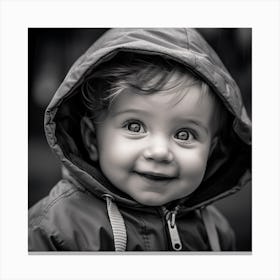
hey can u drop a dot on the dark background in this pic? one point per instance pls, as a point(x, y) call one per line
point(51, 52)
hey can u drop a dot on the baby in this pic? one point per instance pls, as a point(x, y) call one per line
point(151, 129)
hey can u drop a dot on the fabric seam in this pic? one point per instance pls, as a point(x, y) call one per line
point(37, 221)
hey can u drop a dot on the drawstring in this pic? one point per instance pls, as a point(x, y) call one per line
point(117, 224)
point(210, 229)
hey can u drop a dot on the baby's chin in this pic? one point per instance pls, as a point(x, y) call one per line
point(152, 199)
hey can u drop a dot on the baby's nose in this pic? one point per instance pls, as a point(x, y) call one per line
point(159, 150)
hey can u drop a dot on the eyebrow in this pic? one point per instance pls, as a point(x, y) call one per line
point(127, 111)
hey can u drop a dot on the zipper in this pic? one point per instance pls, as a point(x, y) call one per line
point(170, 217)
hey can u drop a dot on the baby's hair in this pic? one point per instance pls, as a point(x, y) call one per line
point(146, 74)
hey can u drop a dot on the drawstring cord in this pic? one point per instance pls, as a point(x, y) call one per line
point(210, 229)
point(117, 224)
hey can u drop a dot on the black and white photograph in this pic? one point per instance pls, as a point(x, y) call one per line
point(139, 140)
point(152, 130)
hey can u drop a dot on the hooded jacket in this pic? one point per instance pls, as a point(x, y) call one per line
point(84, 212)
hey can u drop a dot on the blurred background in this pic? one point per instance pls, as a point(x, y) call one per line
point(51, 52)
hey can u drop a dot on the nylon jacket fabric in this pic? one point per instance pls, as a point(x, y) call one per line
point(73, 217)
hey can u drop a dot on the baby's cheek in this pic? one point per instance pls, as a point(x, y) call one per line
point(193, 165)
point(120, 153)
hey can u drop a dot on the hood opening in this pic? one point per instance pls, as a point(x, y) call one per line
point(232, 159)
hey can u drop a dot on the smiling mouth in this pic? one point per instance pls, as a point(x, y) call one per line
point(156, 176)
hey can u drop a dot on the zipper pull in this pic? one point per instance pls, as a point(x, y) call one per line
point(173, 232)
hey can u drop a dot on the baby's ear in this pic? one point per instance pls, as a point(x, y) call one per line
point(214, 144)
point(89, 138)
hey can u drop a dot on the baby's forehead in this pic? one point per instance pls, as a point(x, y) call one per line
point(165, 105)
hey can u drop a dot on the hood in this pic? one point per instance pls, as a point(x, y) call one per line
point(232, 162)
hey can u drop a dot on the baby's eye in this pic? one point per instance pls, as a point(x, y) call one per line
point(184, 135)
point(135, 126)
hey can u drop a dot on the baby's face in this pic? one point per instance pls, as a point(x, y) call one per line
point(154, 148)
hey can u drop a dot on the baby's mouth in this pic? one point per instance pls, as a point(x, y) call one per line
point(156, 176)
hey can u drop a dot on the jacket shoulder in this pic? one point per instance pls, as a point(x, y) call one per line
point(54, 200)
point(46, 217)
point(63, 219)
